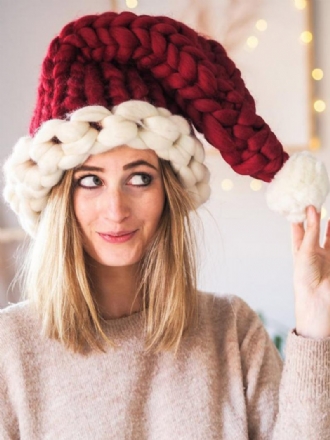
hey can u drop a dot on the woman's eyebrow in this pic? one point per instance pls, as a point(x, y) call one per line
point(128, 166)
point(136, 163)
point(89, 168)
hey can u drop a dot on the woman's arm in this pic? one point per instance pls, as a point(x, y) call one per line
point(304, 398)
point(304, 410)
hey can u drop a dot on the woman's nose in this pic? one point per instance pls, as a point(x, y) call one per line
point(116, 205)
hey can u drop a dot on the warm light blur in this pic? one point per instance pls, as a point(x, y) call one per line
point(319, 106)
point(256, 185)
point(323, 213)
point(227, 185)
point(131, 3)
point(300, 4)
point(252, 42)
point(261, 25)
point(314, 143)
point(317, 74)
point(306, 37)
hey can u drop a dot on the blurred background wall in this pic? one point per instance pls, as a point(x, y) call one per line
point(244, 249)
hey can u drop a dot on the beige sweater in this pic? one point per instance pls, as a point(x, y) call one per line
point(224, 383)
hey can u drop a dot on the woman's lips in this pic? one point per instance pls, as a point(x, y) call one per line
point(117, 237)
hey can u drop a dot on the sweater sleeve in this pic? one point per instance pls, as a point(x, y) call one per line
point(261, 369)
point(8, 422)
point(304, 401)
point(288, 404)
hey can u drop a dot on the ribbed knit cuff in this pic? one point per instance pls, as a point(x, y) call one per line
point(307, 366)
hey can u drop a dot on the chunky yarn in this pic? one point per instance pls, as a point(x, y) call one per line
point(115, 79)
point(302, 181)
point(111, 58)
point(37, 164)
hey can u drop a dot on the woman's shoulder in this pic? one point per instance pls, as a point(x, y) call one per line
point(16, 322)
point(235, 306)
point(229, 312)
point(16, 311)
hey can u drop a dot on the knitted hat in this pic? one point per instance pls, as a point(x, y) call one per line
point(114, 79)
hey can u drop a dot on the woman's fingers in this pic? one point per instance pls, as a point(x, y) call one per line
point(297, 233)
point(312, 233)
point(327, 237)
point(308, 235)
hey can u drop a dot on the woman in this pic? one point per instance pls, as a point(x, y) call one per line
point(114, 340)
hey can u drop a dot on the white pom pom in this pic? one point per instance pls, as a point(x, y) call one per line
point(302, 181)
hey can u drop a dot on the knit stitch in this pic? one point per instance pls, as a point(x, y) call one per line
point(111, 58)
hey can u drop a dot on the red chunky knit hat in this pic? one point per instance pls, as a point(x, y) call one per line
point(111, 58)
point(114, 79)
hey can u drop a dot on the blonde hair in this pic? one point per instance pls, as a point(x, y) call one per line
point(57, 282)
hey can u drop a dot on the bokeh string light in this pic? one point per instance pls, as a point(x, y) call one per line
point(300, 4)
point(256, 185)
point(306, 37)
point(227, 185)
point(261, 25)
point(252, 42)
point(132, 3)
point(317, 74)
point(319, 105)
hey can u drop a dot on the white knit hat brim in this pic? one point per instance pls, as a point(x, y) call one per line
point(37, 164)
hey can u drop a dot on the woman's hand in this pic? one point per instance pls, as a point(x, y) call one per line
point(311, 277)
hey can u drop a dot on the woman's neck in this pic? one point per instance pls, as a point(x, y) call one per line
point(115, 290)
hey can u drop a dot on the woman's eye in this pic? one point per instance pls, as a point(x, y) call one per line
point(141, 179)
point(89, 181)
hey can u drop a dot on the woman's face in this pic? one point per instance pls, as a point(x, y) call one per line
point(118, 200)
